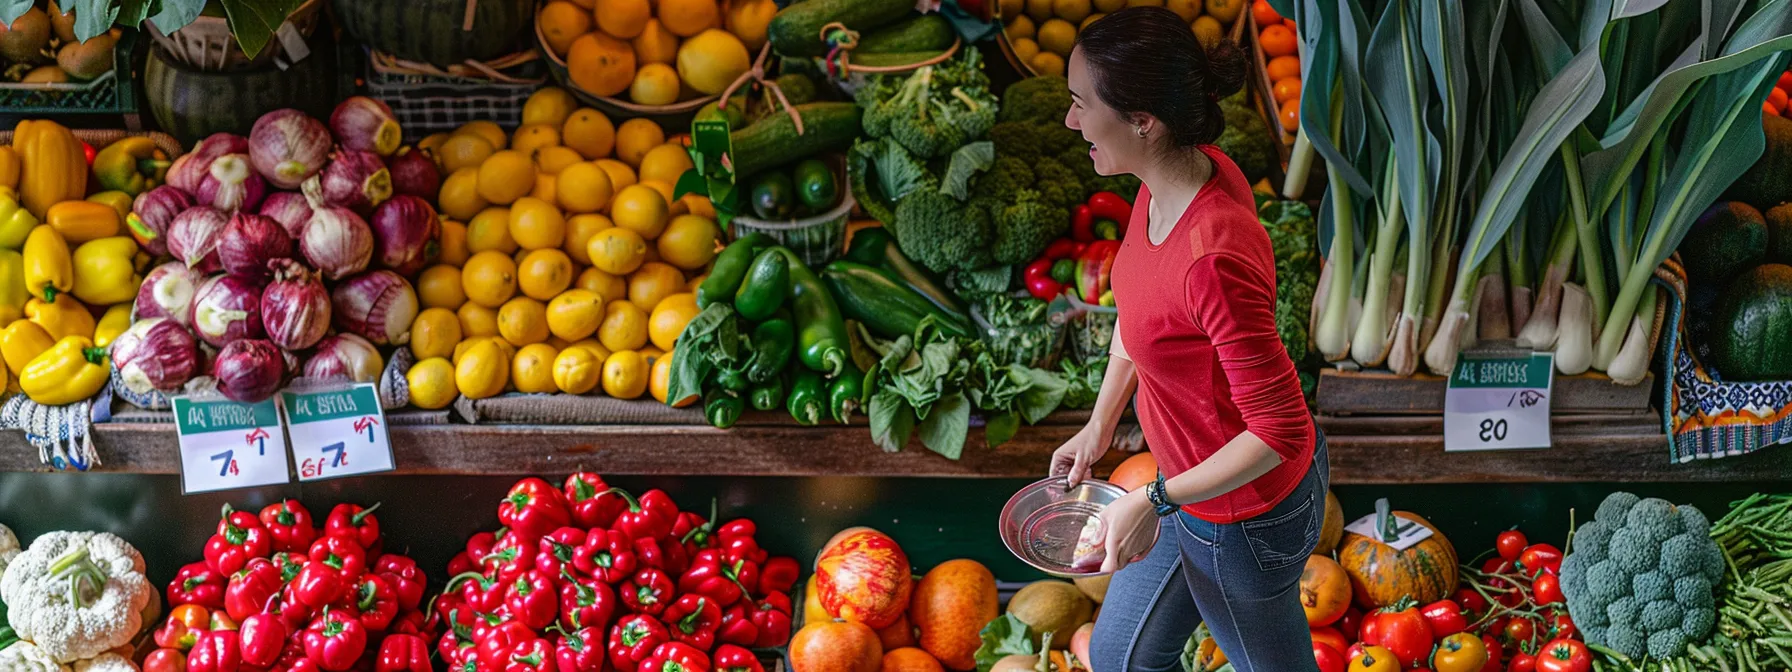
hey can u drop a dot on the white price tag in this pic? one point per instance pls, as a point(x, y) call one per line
point(1406, 532)
point(226, 444)
point(1497, 403)
point(337, 433)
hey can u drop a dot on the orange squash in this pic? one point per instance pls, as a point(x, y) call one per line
point(865, 578)
point(1332, 529)
point(951, 606)
point(1324, 591)
point(836, 646)
point(1380, 575)
point(1135, 472)
point(900, 634)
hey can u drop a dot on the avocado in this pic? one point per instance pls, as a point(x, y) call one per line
point(1728, 238)
point(1751, 332)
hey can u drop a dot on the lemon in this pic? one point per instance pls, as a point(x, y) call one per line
point(459, 198)
point(607, 286)
point(490, 231)
point(523, 321)
point(482, 371)
point(575, 314)
point(1056, 36)
point(692, 284)
point(1089, 21)
point(624, 326)
point(579, 230)
point(1073, 11)
point(1022, 27)
point(665, 163)
point(464, 150)
point(476, 321)
point(665, 189)
point(669, 318)
point(433, 142)
point(712, 60)
point(698, 205)
point(544, 273)
point(749, 20)
point(689, 242)
point(590, 133)
point(1187, 9)
point(452, 246)
point(536, 224)
point(1109, 6)
point(640, 208)
point(532, 137)
point(1208, 31)
point(486, 129)
point(655, 44)
point(625, 375)
point(504, 348)
point(1047, 64)
point(622, 18)
point(653, 283)
point(577, 370)
point(584, 187)
point(1024, 48)
point(621, 175)
point(544, 188)
point(439, 287)
point(489, 278)
point(550, 105)
point(595, 347)
point(506, 176)
point(434, 333)
point(655, 84)
point(431, 383)
point(532, 371)
point(635, 137)
point(651, 354)
point(616, 251)
point(552, 160)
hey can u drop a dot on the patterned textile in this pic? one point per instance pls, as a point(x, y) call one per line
point(62, 434)
point(1706, 417)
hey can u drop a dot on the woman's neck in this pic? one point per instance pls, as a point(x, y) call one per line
point(1174, 182)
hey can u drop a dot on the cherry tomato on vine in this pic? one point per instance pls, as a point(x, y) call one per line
point(1562, 627)
point(1522, 662)
point(1547, 589)
point(1511, 543)
point(1521, 631)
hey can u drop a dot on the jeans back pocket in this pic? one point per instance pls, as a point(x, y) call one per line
point(1284, 539)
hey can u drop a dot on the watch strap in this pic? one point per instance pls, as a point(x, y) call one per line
point(1159, 497)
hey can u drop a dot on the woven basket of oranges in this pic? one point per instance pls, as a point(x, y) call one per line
point(1037, 35)
point(650, 58)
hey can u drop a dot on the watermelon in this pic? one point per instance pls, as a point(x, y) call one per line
point(430, 31)
point(1779, 234)
point(190, 104)
point(1751, 332)
point(1727, 239)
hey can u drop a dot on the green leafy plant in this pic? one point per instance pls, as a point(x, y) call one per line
point(253, 22)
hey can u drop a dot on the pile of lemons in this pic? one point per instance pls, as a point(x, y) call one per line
point(1042, 32)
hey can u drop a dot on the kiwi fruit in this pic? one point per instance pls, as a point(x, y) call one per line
point(63, 24)
point(27, 36)
point(89, 59)
point(46, 74)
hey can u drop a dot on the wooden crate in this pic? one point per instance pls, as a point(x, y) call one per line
point(1266, 100)
point(1373, 393)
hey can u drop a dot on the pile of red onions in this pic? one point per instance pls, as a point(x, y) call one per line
point(295, 308)
point(155, 354)
point(345, 356)
point(249, 370)
point(193, 237)
point(168, 292)
point(363, 124)
point(250, 243)
point(287, 147)
point(290, 208)
point(354, 180)
point(151, 215)
point(337, 242)
point(227, 308)
point(230, 184)
point(191, 168)
point(406, 234)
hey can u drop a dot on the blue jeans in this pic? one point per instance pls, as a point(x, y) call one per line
point(1243, 578)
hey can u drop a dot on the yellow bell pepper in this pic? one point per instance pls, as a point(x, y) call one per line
point(60, 319)
point(105, 271)
point(9, 168)
point(70, 371)
point(53, 166)
point(15, 222)
point(81, 221)
point(21, 342)
point(114, 322)
point(12, 286)
point(132, 165)
point(48, 270)
point(121, 202)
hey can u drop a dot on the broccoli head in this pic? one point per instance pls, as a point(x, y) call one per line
point(1004, 178)
point(1247, 140)
point(942, 233)
point(1641, 575)
point(1056, 184)
point(1016, 139)
point(1024, 227)
point(932, 111)
point(1044, 98)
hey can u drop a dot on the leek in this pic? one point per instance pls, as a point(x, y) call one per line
point(1369, 345)
point(1574, 349)
point(1493, 318)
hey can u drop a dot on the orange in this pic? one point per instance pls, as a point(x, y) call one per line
point(1277, 40)
point(1283, 67)
point(600, 64)
point(532, 372)
point(659, 380)
point(1291, 115)
point(523, 321)
point(575, 314)
point(506, 176)
point(459, 198)
point(1208, 31)
point(665, 189)
point(635, 138)
point(642, 209)
point(551, 104)
point(477, 321)
point(1047, 64)
point(622, 18)
point(490, 230)
point(532, 137)
point(544, 188)
point(669, 317)
point(749, 19)
point(621, 175)
point(653, 283)
point(439, 287)
point(616, 251)
point(454, 243)
point(655, 44)
point(1264, 14)
point(464, 150)
point(1287, 89)
point(536, 224)
point(590, 133)
point(688, 17)
point(1225, 11)
point(484, 128)
point(610, 287)
point(489, 279)
point(910, 659)
point(544, 274)
point(665, 163)
point(579, 230)
point(552, 160)
point(624, 327)
point(562, 22)
point(625, 375)
point(689, 242)
point(434, 333)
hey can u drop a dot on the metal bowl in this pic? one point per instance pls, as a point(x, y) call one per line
point(1042, 523)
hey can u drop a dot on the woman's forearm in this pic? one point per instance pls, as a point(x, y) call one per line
point(1240, 461)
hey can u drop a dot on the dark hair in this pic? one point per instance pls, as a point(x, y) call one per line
point(1146, 59)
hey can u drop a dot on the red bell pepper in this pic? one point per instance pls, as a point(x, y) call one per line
point(1109, 205)
point(648, 592)
point(586, 602)
point(581, 650)
point(1082, 223)
point(261, 639)
point(737, 626)
point(710, 577)
point(240, 537)
point(221, 621)
point(731, 658)
point(694, 620)
point(289, 563)
point(1539, 558)
point(555, 549)
point(197, 583)
point(318, 585)
point(218, 651)
point(772, 616)
point(638, 521)
point(461, 656)
point(584, 493)
point(184, 626)
point(1444, 617)
point(633, 639)
point(533, 599)
point(479, 592)
point(377, 602)
point(403, 653)
point(1062, 248)
point(289, 523)
point(606, 555)
point(695, 532)
point(745, 552)
point(497, 642)
point(1037, 277)
point(252, 589)
point(335, 641)
point(676, 657)
point(661, 505)
point(777, 575)
point(533, 508)
point(342, 554)
point(480, 544)
point(535, 655)
point(293, 610)
point(165, 660)
point(354, 522)
point(510, 557)
point(407, 579)
point(668, 557)
point(412, 622)
point(461, 564)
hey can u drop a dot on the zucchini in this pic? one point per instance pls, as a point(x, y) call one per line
point(773, 141)
point(880, 301)
point(875, 247)
point(920, 32)
point(796, 30)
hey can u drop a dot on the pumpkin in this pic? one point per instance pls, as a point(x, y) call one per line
point(952, 604)
point(1381, 576)
point(865, 578)
point(836, 646)
point(1333, 529)
point(190, 104)
point(1324, 590)
point(1136, 472)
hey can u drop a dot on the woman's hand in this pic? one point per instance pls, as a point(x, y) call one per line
point(1131, 524)
point(1077, 457)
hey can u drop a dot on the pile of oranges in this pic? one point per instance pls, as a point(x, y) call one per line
point(1280, 42)
point(655, 52)
point(1043, 31)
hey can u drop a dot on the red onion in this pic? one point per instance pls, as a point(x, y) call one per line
point(227, 308)
point(193, 237)
point(337, 242)
point(190, 169)
point(345, 356)
point(295, 308)
point(365, 125)
point(151, 214)
point(249, 370)
point(406, 234)
point(415, 173)
point(290, 209)
point(292, 362)
point(155, 354)
point(230, 184)
point(287, 147)
point(249, 242)
point(378, 305)
point(168, 292)
point(355, 180)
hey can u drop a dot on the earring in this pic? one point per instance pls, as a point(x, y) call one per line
point(1141, 131)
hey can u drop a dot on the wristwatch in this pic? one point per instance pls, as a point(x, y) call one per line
point(1159, 498)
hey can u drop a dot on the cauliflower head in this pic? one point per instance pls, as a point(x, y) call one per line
point(24, 656)
point(1640, 576)
point(9, 549)
point(105, 662)
point(76, 594)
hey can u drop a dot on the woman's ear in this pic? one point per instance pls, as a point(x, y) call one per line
point(1143, 122)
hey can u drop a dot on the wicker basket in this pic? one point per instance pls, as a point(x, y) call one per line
point(817, 239)
point(206, 44)
point(110, 93)
point(676, 114)
point(427, 102)
point(99, 138)
point(1234, 33)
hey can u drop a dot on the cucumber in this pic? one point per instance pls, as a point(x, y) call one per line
point(919, 32)
point(773, 141)
point(796, 30)
point(895, 59)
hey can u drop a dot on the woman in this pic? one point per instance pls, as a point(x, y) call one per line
point(1241, 497)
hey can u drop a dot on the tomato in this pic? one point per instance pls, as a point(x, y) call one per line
point(1777, 96)
point(1471, 601)
point(1496, 565)
point(1521, 631)
point(1540, 558)
point(1406, 634)
point(1331, 637)
point(1351, 625)
point(1547, 589)
point(1369, 630)
point(1461, 652)
point(1522, 662)
point(1492, 646)
point(1562, 627)
point(1510, 543)
point(1354, 652)
point(1785, 81)
point(1375, 659)
point(1328, 658)
point(1564, 655)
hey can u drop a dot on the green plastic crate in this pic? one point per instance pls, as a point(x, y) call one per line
point(111, 93)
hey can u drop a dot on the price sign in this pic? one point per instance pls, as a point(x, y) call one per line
point(226, 444)
point(1499, 402)
point(337, 433)
point(1404, 534)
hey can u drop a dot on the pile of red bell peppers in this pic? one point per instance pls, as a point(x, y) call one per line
point(1084, 262)
point(277, 592)
point(586, 577)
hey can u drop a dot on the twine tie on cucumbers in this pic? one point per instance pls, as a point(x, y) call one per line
point(842, 40)
point(757, 74)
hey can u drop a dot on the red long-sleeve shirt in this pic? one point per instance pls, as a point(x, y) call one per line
point(1197, 314)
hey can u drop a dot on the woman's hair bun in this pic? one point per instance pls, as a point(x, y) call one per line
point(1147, 60)
point(1225, 69)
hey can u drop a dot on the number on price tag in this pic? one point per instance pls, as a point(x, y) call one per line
point(337, 433)
point(1496, 403)
point(227, 444)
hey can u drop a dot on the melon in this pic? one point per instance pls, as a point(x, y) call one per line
point(1054, 607)
point(1769, 181)
point(431, 31)
point(1750, 329)
point(865, 578)
point(1729, 238)
point(951, 605)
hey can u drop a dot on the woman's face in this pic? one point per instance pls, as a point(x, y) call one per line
point(1115, 143)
